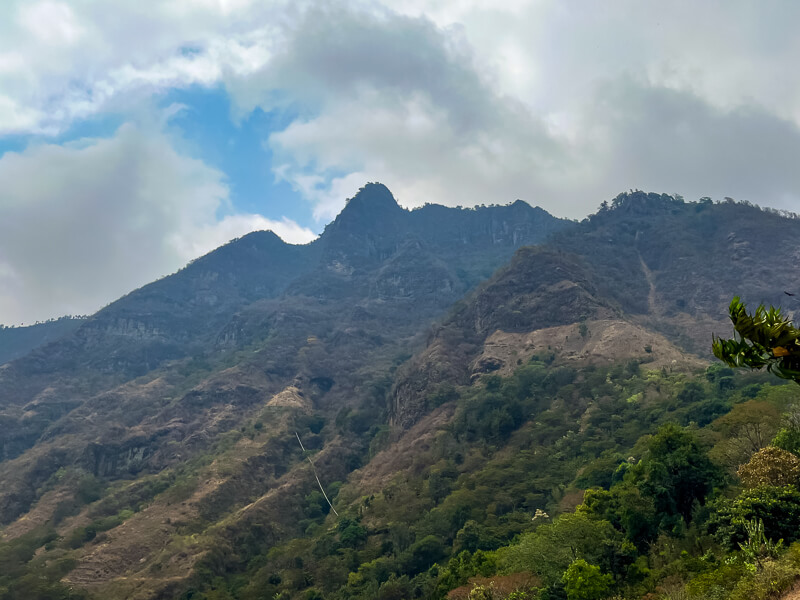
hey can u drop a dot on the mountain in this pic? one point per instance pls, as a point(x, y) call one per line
point(19, 341)
point(316, 314)
point(153, 452)
point(666, 265)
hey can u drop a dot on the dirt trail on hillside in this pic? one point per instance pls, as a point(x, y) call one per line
point(651, 295)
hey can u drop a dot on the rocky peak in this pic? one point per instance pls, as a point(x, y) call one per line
point(373, 206)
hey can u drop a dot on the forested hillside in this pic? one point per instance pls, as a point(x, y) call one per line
point(497, 403)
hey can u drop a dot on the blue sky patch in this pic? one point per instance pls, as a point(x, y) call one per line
point(207, 132)
point(101, 126)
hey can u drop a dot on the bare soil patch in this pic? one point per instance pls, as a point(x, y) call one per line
point(602, 341)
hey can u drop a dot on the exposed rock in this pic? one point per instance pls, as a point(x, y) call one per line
point(604, 342)
point(290, 397)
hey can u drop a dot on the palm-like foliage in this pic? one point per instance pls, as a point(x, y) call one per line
point(764, 339)
point(758, 546)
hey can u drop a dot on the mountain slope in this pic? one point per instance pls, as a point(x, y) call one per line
point(18, 341)
point(158, 441)
point(651, 260)
point(140, 386)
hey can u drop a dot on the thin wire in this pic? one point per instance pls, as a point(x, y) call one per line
point(314, 469)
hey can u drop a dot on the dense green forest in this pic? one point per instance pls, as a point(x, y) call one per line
point(496, 508)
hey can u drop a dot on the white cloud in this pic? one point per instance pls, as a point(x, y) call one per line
point(669, 140)
point(18, 119)
point(419, 150)
point(538, 100)
point(546, 54)
point(51, 23)
point(397, 99)
point(86, 223)
point(69, 60)
point(213, 235)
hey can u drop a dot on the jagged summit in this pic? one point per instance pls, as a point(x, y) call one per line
point(372, 207)
point(373, 196)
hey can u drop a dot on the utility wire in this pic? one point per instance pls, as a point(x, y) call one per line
point(314, 469)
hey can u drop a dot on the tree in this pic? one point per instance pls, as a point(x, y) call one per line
point(424, 553)
point(549, 550)
point(778, 508)
point(395, 588)
point(746, 429)
point(770, 466)
point(675, 472)
point(764, 339)
point(351, 534)
point(583, 581)
point(752, 423)
point(788, 437)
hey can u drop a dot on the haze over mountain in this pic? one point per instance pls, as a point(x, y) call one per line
point(152, 451)
point(18, 341)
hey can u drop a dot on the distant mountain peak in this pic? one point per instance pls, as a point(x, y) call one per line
point(264, 236)
point(372, 209)
point(372, 199)
point(521, 206)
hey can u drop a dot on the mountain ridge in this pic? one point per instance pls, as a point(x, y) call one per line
point(239, 295)
point(185, 422)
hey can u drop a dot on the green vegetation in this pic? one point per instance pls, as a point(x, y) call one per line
point(765, 339)
point(583, 581)
point(23, 576)
point(597, 481)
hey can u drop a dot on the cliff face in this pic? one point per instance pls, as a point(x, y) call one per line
point(539, 288)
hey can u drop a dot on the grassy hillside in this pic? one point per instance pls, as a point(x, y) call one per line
point(483, 487)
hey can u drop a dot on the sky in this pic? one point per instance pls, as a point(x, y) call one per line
point(136, 135)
